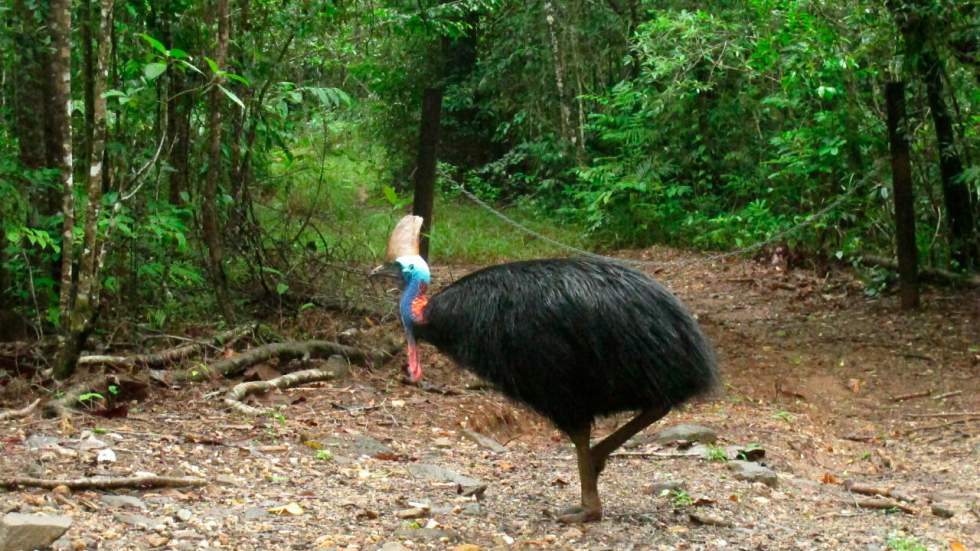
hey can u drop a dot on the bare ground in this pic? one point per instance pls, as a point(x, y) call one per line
point(833, 386)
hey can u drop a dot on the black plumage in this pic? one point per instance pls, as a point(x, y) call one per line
point(572, 339)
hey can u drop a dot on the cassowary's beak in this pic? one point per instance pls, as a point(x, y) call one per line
point(386, 270)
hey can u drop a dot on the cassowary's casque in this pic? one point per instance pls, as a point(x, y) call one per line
point(572, 339)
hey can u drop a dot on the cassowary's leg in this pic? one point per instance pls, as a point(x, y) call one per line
point(591, 509)
point(600, 452)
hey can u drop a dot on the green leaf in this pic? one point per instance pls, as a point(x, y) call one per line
point(153, 70)
point(114, 94)
point(213, 65)
point(281, 288)
point(239, 78)
point(390, 194)
point(177, 53)
point(191, 66)
point(231, 95)
point(156, 44)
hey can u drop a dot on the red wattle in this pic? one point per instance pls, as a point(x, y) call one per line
point(414, 368)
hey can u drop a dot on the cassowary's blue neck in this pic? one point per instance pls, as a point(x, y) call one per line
point(411, 308)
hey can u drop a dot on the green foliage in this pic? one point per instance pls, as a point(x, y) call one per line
point(899, 542)
point(679, 498)
point(716, 453)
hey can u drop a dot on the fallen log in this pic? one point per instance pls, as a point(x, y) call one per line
point(167, 357)
point(18, 413)
point(935, 274)
point(335, 369)
point(283, 351)
point(104, 482)
point(885, 504)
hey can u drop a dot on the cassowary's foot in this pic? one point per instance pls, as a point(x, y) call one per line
point(579, 514)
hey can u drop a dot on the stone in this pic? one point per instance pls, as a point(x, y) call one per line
point(414, 512)
point(20, 532)
point(254, 513)
point(668, 486)
point(467, 547)
point(942, 510)
point(140, 521)
point(687, 433)
point(467, 486)
point(442, 442)
point(394, 546)
point(753, 472)
point(184, 515)
point(122, 501)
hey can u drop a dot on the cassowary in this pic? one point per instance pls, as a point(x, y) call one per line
point(573, 339)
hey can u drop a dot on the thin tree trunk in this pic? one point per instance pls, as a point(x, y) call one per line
point(903, 194)
point(81, 318)
point(29, 105)
point(425, 172)
point(956, 194)
point(565, 112)
point(60, 139)
point(209, 209)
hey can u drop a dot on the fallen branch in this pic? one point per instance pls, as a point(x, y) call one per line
point(233, 399)
point(868, 490)
point(235, 365)
point(18, 413)
point(939, 426)
point(921, 394)
point(945, 395)
point(934, 274)
point(104, 482)
point(885, 504)
point(946, 414)
point(170, 356)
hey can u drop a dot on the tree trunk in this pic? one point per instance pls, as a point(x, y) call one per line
point(956, 194)
point(59, 22)
point(903, 194)
point(29, 106)
point(209, 209)
point(565, 112)
point(913, 23)
point(425, 172)
point(81, 317)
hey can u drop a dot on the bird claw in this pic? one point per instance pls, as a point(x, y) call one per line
point(579, 515)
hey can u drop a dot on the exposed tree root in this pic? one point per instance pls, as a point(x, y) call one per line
point(235, 365)
point(885, 504)
point(934, 274)
point(865, 489)
point(18, 413)
point(170, 356)
point(104, 482)
point(334, 370)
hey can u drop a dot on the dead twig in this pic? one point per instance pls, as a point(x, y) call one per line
point(885, 504)
point(868, 490)
point(235, 365)
point(946, 414)
point(945, 395)
point(920, 394)
point(170, 356)
point(18, 413)
point(934, 427)
point(233, 399)
point(104, 482)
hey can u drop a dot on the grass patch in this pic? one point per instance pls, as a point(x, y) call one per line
point(336, 203)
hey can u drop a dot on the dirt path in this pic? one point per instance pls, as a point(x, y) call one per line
point(812, 371)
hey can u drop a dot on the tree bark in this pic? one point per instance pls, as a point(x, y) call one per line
point(80, 318)
point(59, 21)
point(565, 112)
point(902, 192)
point(425, 172)
point(209, 209)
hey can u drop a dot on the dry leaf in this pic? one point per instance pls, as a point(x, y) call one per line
point(854, 385)
point(828, 478)
point(291, 508)
point(956, 546)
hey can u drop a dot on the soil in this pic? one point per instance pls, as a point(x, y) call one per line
point(834, 386)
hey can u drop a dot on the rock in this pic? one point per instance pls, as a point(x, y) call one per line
point(365, 445)
point(394, 546)
point(472, 509)
point(61, 490)
point(467, 547)
point(708, 519)
point(467, 486)
point(122, 501)
point(427, 534)
point(140, 521)
point(753, 472)
point(687, 433)
point(254, 513)
point(156, 540)
point(659, 488)
point(942, 510)
point(442, 442)
point(20, 532)
point(484, 441)
point(184, 515)
point(414, 512)
point(106, 456)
